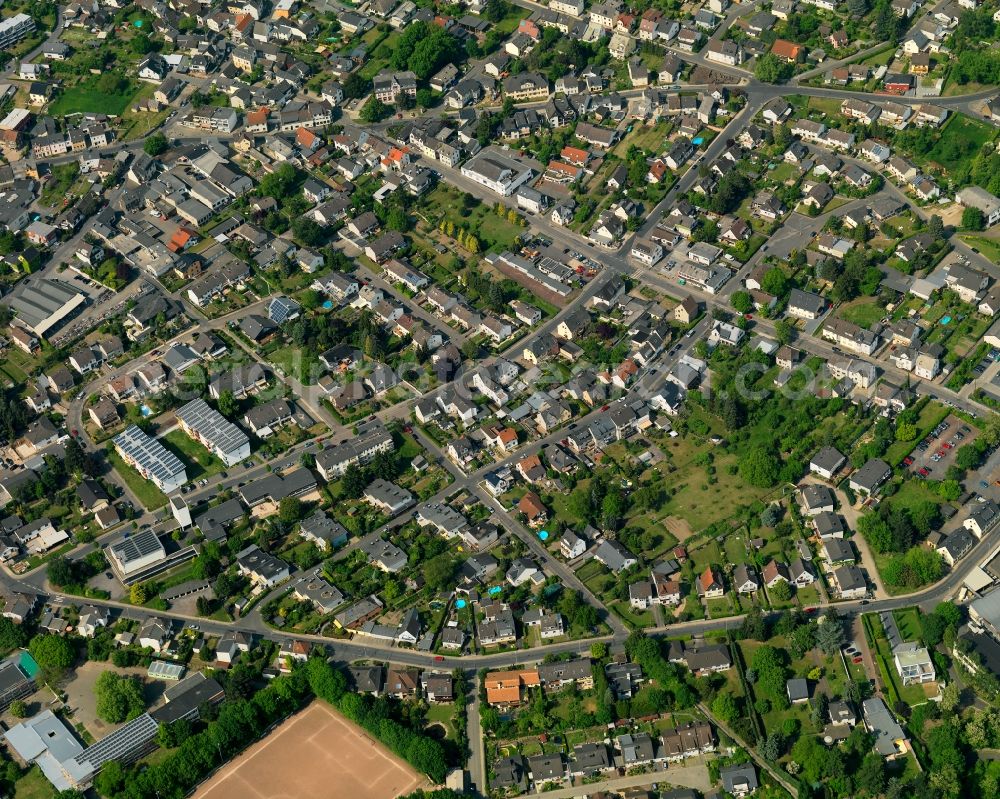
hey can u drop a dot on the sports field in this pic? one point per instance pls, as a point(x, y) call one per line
point(316, 754)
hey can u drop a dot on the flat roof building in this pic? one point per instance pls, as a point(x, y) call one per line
point(151, 459)
point(134, 553)
point(216, 433)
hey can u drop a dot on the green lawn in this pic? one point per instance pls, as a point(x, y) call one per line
point(493, 230)
point(882, 58)
point(510, 22)
point(85, 97)
point(862, 313)
point(198, 460)
point(914, 492)
point(908, 622)
point(783, 172)
point(720, 607)
point(830, 105)
point(147, 493)
point(34, 785)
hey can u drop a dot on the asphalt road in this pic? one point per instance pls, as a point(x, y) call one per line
point(615, 263)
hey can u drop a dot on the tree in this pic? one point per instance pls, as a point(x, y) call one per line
point(308, 231)
point(951, 697)
point(742, 301)
point(935, 226)
point(858, 8)
point(754, 626)
point(769, 664)
point(771, 748)
point(229, 406)
point(110, 779)
point(397, 220)
point(774, 282)
point(760, 467)
point(830, 633)
point(138, 594)
point(12, 636)
point(967, 457)
point(886, 23)
point(290, 510)
point(782, 591)
point(119, 697)
point(972, 219)
point(870, 775)
point(141, 44)
point(439, 570)
point(280, 183)
point(52, 651)
point(155, 145)
point(784, 331)
point(769, 69)
point(61, 572)
point(18, 709)
point(374, 110)
point(725, 707)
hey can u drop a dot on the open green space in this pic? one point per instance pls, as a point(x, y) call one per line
point(198, 460)
point(85, 97)
point(34, 785)
point(908, 622)
point(862, 312)
point(494, 231)
point(928, 418)
point(960, 127)
point(147, 493)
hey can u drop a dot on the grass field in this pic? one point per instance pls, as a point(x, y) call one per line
point(445, 202)
point(85, 97)
point(147, 493)
point(862, 313)
point(908, 622)
point(829, 105)
point(930, 415)
point(198, 460)
point(33, 785)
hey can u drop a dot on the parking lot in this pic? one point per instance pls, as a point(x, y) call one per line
point(935, 453)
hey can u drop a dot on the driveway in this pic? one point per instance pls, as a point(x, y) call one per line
point(851, 516)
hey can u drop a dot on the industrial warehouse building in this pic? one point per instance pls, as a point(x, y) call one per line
point(41, 304)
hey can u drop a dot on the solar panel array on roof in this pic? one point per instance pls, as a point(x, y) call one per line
point(215, 431)
point(124, 745)
point(281, 309)
point(136, 547)
point(150, 456)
